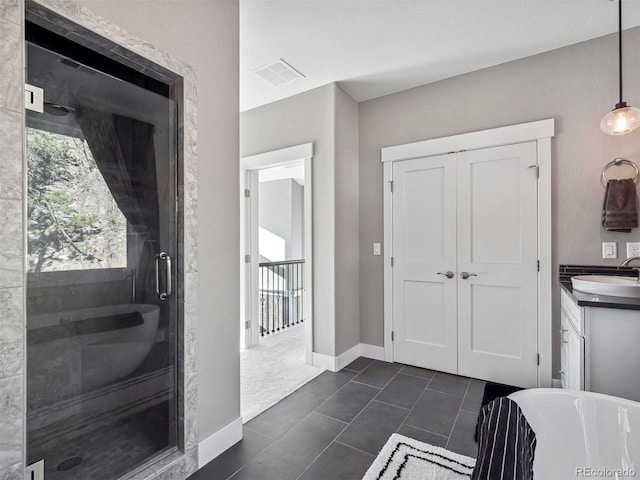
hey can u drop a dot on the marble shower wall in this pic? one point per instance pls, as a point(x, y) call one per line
point(11, 241)
point(82, 26)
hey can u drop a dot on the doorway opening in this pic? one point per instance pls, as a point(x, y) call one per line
point(276, 281)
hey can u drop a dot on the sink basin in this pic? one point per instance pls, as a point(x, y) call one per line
point(607, 285)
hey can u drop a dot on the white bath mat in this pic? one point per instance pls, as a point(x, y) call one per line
point(408, 459)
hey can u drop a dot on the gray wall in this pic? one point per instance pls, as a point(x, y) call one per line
point(274, 213)
point(206, 36)
point(313, 117)
point(347, 223)
point(305, 118)
point(297, 220)
point(576, 85)
point(280, 207)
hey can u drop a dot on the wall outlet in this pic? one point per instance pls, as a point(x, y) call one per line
point(633, 249)
point(609, 250)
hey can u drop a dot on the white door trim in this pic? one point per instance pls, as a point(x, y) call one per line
point(523, 132)
point(539, 131)
point(277, 158)
point(249, 244)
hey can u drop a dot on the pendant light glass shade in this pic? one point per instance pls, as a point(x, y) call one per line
point(621, 120)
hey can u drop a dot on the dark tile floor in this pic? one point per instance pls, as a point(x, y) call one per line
point(333, 427)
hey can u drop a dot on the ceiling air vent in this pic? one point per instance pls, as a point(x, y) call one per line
point(278, 73)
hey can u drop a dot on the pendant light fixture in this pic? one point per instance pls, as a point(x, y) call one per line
point(622, 119)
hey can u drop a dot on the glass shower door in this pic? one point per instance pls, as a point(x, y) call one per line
point(102, 258)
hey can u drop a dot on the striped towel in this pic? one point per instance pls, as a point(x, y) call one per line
point(507, 443)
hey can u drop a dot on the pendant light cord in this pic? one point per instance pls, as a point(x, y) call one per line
point(620, 47)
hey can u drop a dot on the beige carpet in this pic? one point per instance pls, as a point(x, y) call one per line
point(272, 370)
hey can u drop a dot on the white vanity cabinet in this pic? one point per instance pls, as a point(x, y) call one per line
point(572, 358)
point(600, 346)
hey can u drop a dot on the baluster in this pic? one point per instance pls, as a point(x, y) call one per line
point(279, 316)
point(287, 296)
point(299, 298)
point(262, 299)
point(273, 306)
point(294, 290)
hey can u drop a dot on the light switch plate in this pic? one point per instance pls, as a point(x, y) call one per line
point(376, 249)
point(609, 250)
point(633, 249)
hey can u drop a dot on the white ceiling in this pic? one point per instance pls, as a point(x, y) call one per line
point(377, 47)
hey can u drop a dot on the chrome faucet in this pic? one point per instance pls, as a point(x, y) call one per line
point(628, 261)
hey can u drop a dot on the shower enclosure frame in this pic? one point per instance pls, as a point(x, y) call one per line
point(73, 20)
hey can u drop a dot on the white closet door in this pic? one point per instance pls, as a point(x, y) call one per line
point(497, 241)
point(424, 240)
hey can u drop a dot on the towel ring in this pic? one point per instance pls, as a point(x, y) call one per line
point(616, 162)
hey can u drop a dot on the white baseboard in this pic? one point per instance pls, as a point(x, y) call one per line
point(338, 363)
point(347, 357)
point(218, 442)
point(324, 361)
point(372, 351)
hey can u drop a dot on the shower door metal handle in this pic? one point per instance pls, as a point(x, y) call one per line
point(167, 258)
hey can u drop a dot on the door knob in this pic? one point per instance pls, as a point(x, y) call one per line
point(448, 274)
point(465, 275)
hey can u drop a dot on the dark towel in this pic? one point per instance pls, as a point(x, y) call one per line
point(619, 208)
point(507, 443)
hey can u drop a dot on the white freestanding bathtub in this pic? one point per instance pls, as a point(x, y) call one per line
point(582, 434)
point(93, 356)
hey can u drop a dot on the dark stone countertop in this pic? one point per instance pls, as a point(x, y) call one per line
point(585, 299)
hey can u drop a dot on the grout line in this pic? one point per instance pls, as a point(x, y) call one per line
point(360, 383)
point(416, 376)
point(445, 393)
point(255, 431)
point(391, 379)
point(430, 380)
point(424, 430)
point(349, 446)
point(456, 420)
point(362, 410)
point(475, 412)
point(260, 433)
point(392, 405)
point(334, 393)
point(332, 418)
point(448, 393)
point(252, 458)
point(324, 450)
point(466, 392)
